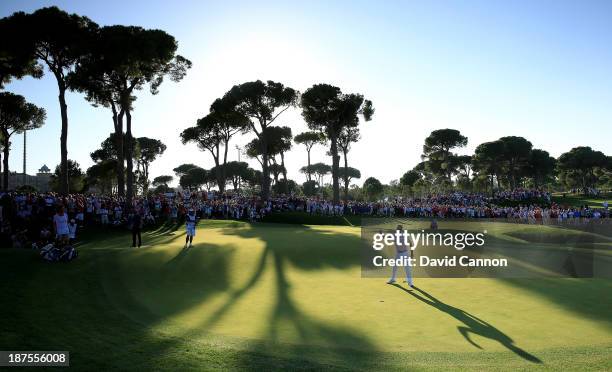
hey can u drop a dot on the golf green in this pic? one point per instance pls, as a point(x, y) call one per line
point(272, 296)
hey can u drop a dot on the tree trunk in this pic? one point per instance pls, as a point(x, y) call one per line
point(346, 179)
point(308, 169)
point(219, 174)
point(218, 170)
point(25, 154)
point(5, 163)
point(265, 177)
point(63, 139)
point(223, 170)
point(145, 182)
point(274, 171)
point(128, 156)
point(335, 168)
point(447, 172)
point(283, 169)
point(118, 119)
point(138, 174)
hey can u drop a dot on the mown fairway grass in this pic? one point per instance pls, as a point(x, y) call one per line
point(271, 296)
point(578, 200)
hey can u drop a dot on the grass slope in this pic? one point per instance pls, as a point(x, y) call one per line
point(271, 296)
point(578, 200)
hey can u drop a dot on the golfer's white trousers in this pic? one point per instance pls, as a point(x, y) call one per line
point(407, 268)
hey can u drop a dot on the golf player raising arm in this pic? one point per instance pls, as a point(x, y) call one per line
point(190, 225)
point(401, 251)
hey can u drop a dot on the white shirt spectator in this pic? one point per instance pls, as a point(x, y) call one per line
point(72, 228)
point(61, 224)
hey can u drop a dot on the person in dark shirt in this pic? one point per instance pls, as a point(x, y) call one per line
point(136, 226)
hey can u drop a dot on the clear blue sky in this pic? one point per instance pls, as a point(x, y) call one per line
point(538, 69)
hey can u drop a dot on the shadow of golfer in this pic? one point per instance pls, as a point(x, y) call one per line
point(472, 323)
point(180, 256)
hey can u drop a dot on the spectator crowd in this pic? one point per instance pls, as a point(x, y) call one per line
point(35, 219)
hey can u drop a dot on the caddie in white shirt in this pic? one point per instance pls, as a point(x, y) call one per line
point(190, 226)
point(402, 251)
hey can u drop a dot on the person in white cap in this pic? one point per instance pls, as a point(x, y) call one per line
point(190, 225)
point(401, 252)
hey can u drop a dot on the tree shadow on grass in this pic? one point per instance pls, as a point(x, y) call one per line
point(104, 306)
point(172, 284)
point(590, 298)
point(120, 237)
point(472, 324)
point(134, 290)
point(564, 263)
point(286, 246)
point(575, 253)
point(167, 228)
point(83, 306)
point(315, 339)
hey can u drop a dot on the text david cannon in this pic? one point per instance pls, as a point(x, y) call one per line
point(425, 261)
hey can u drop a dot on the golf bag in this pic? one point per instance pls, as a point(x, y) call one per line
point(50, 253)
point(68, 254)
